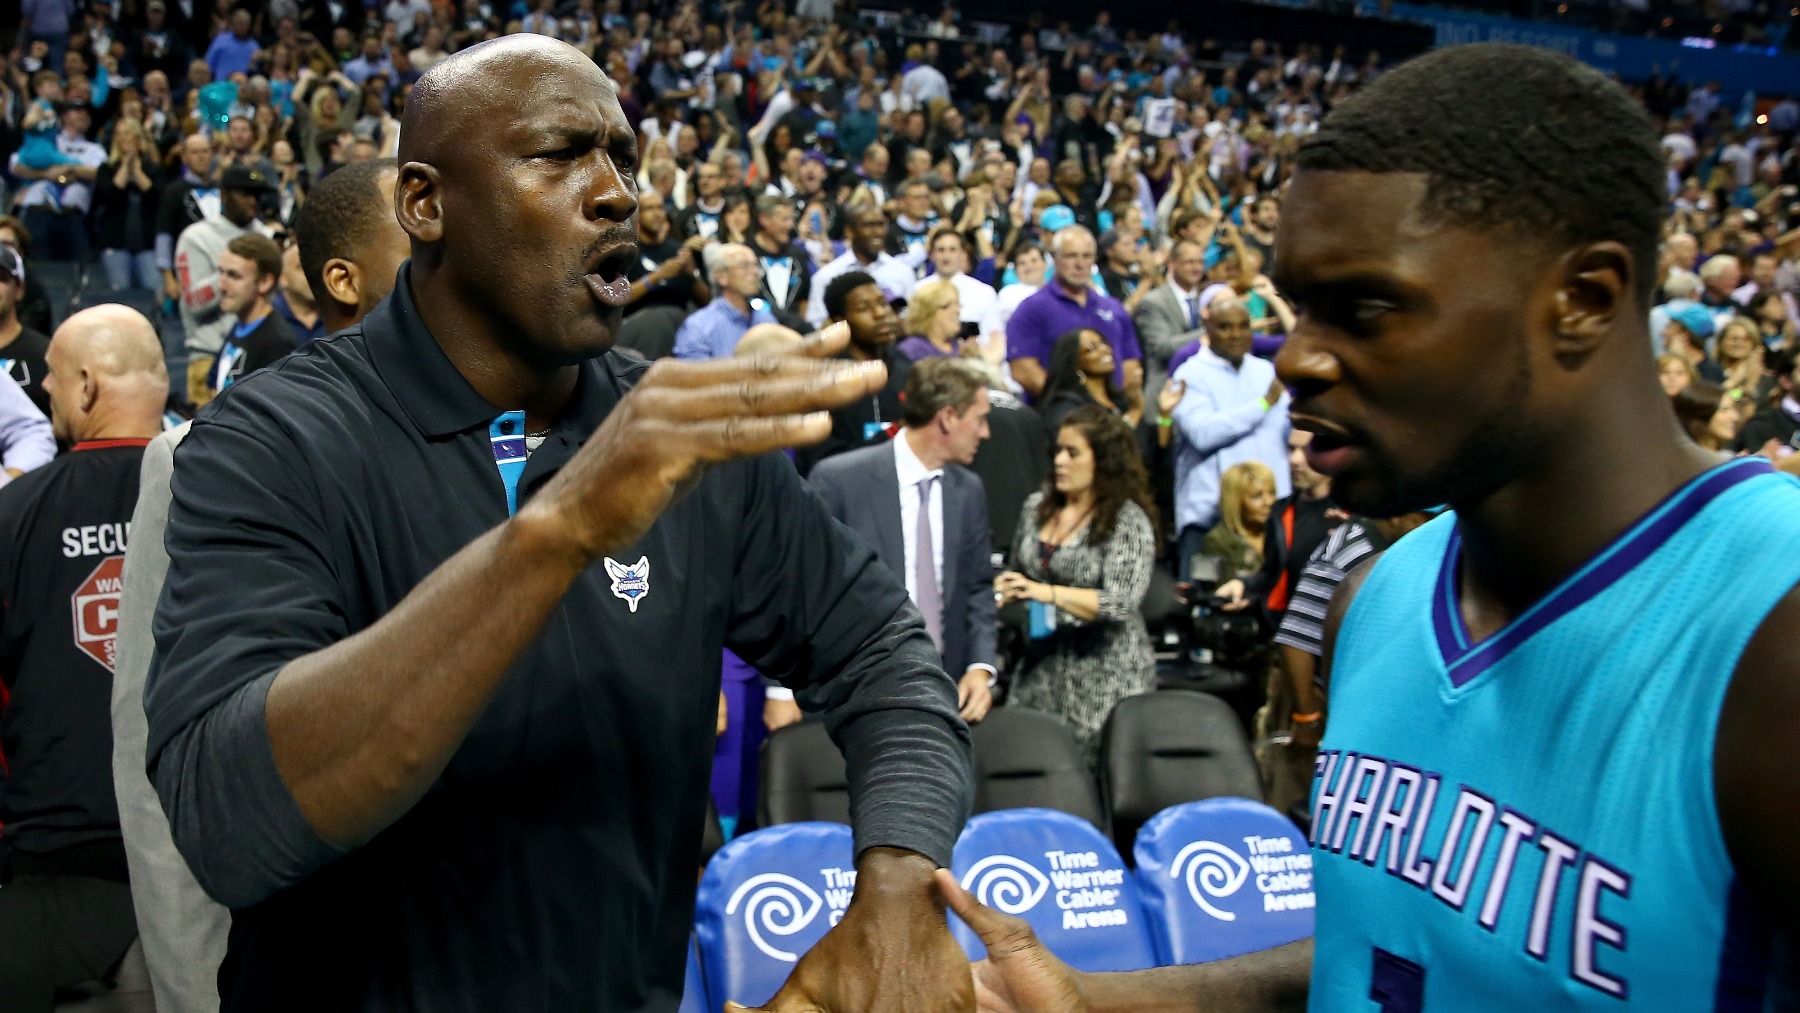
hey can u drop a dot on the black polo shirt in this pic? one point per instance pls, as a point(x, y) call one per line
point(552, 866)
point(63, 529)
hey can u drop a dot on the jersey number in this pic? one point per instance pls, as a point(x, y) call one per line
point(1397, 983)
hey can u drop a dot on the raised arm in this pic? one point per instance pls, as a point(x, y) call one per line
point(272, 757)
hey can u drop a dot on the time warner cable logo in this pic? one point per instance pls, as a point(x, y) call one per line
point(1214, 871)
point(784, 906)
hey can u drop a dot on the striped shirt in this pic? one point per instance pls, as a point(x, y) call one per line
point(1303, 626)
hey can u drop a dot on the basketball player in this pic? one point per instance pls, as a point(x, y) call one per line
point(1555, 773)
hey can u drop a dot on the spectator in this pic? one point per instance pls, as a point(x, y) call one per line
point(371, 62)
point(936, 540)
point(1719, 277)
point(787, 270)
point(933, 322)
point(951, 260)
point(1067, 303)
point(22, 349)
point(197, 265)
point(34, 305)
point(1779, 420)
point(1709, 415)
point(1080, 374)
point(855, 299)
point(701, 216)
point(1246, 496)
point(293, 300)
point(1689, 327)
point(233, 51)
point(1082, 559)
point(127, 199)
point(68, 914)
point(909, 237)
point(923, 84)
point(351, 248)
point(1168, 319)
point(56, 200)
point(1675, 373)
point(1234, 410)
point(713, 332)
point(186, 200)
point(1741, 360)
point(249, 271)
point(1028, 269)
point(1774, 318)
point(866, 231)
point(26, 442)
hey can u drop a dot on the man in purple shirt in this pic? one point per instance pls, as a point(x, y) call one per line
point(1067, 303)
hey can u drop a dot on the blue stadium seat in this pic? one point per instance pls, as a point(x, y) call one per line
point(765, 899)
point(1223, 877)
point(1063, 876)
point(693, 990)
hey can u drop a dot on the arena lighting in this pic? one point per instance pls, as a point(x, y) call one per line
point(1760, 120)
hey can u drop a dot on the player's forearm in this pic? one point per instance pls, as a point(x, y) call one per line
point(360, 729)
point(1271, 980)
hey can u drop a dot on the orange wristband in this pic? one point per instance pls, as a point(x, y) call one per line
point(1307, 719)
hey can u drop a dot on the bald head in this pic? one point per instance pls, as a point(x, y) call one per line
point(516, 190)
point(768, 339)
point(477, 88)
point(106, 379)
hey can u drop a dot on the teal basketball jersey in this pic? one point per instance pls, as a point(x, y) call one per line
point(1527, 822)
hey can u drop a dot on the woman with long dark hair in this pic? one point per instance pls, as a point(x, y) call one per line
point(1082, 561)
point(1081, 373)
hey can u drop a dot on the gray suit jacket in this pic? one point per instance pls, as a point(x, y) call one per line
point(862, 489)
point(1162, 326)
point(183, 930)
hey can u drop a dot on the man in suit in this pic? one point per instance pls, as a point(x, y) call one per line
point(915, 500)
point(1170, 318)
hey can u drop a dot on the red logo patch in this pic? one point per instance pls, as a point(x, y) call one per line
point(96, 606)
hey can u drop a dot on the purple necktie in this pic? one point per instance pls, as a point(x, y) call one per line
point(925, 579)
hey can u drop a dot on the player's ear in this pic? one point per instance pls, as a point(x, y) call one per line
point(1595, 288)
point(90, 390)
point(343, 282)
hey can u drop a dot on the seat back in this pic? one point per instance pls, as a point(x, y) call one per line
point(650, 332)
point(1221, 878)
point(1061, 875)
point(693, 986)
point(1028, 759)
point(803, 777)
point(765, 899)
point(1163, 748)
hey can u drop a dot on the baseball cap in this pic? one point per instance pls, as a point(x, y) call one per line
point(1693, 316)
point(12, 264)
point(1056, 217)
point(826, 128)
point(244, 177)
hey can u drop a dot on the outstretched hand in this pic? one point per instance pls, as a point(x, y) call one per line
point(1020, 975)
point(685, 416)
point(892, 953)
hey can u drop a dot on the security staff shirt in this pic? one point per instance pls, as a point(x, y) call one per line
point(552, 866)
point(63, 530)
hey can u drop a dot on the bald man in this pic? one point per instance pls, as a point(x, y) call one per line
point(66, 915)
point(437, 661)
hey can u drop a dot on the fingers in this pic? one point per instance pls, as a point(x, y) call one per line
point(719, 440)
point(800, 387)
point(825, 343)
point(1003, 935)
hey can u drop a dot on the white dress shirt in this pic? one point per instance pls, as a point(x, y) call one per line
point(912, 471)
